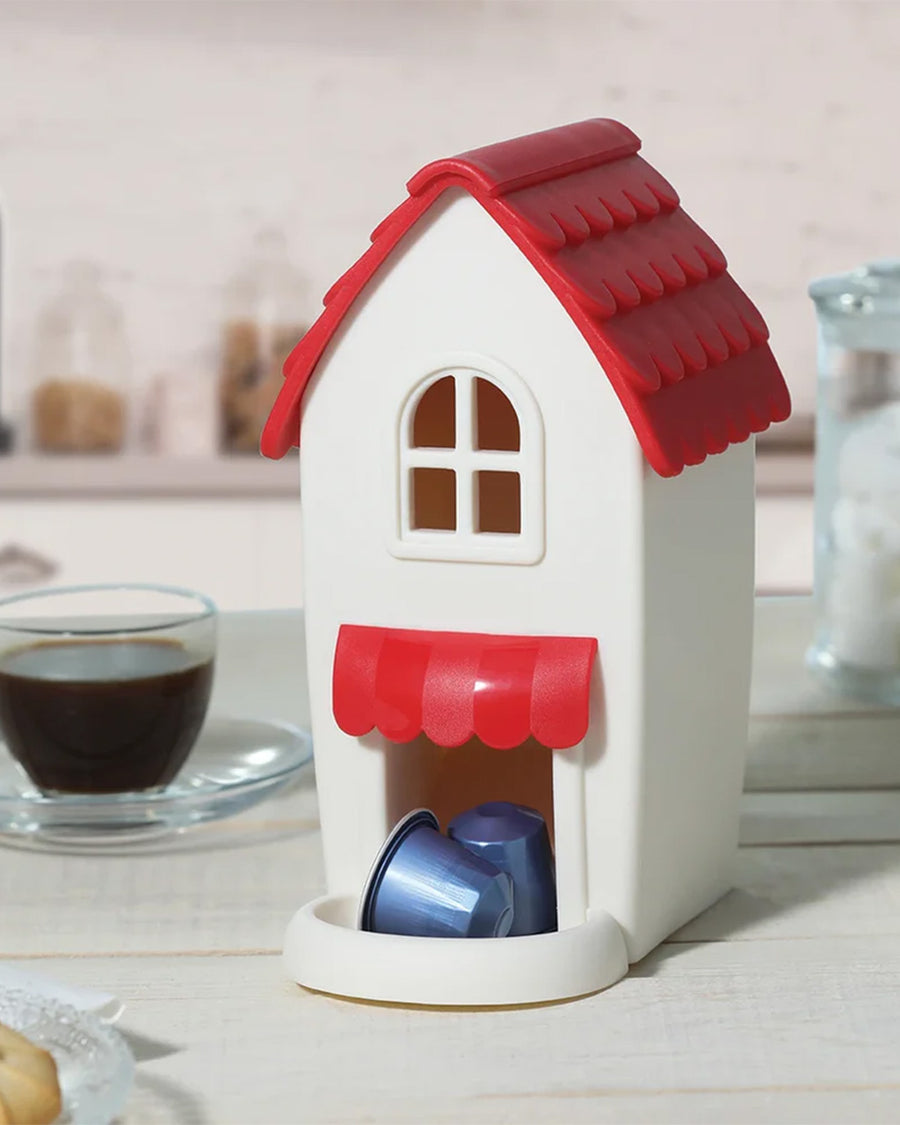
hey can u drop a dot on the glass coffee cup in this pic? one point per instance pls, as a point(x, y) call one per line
point(104, 689)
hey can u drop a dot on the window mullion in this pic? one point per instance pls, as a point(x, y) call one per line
point(428, 458)
point(465, 481)
point(499, 460)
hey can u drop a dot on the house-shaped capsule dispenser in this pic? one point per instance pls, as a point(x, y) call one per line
point(527, 472)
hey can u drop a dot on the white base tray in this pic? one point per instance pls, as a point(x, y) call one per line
point(325, 951)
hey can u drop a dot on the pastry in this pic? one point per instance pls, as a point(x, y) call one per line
point(29, 1088)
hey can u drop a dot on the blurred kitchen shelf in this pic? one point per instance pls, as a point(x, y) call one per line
point(23, 475)
point(784, 474)
point(26, 475)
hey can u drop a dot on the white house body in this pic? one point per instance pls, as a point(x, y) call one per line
point(554, 527)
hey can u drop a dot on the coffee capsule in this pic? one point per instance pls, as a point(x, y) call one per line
point(514, 839)
point(426, 885)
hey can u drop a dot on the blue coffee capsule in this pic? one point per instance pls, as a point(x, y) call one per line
point(428, 886)
point(514, 839)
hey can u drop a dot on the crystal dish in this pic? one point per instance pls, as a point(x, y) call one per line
point(235, 764)
point(93, 1061)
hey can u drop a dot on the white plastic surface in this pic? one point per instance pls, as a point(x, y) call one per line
point(325, 951)
point(659, 571)
point(697, 615)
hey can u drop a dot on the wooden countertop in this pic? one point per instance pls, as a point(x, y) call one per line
point(778, 1004)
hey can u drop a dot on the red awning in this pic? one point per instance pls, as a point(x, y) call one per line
point(450, 686)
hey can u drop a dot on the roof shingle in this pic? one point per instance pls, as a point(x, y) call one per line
point(683, 346)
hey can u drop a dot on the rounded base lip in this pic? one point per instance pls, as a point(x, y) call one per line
point(326, 952)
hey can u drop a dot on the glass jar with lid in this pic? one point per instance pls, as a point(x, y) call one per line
point(81, 372)
point(264, 304)
point(857, 492)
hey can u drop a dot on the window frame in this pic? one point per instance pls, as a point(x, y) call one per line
point(466, 544)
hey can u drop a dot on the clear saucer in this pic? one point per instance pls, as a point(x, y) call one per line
point(235, 764)
point(93, 1062)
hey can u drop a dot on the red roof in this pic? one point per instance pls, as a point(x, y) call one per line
point(452, 686)
point(682, 345)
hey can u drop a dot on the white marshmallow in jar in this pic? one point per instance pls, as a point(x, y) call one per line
point(856, 648)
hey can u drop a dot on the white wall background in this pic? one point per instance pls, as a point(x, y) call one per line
point(154, 137)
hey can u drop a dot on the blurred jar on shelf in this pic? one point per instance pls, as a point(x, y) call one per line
point(264, 302)
point(857, 492)
point(81, 374)
point(179, 414)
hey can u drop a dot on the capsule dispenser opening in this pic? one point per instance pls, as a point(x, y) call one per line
point(450, 780)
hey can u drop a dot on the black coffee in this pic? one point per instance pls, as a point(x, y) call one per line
point(102, 716)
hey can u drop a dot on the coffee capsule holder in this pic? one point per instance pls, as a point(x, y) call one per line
point(528, 505)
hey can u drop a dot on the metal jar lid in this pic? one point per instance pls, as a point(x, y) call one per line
point(859, 318)
point(871, 290)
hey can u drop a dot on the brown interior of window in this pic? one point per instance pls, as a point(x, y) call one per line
point(497, 426)
point(434, 423)
point(499, 502)
point(423, 775)
point(433, 499)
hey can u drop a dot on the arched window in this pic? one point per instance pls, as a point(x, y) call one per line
point(471, 469)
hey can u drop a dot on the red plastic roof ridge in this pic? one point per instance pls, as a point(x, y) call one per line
point(459, 166)
point(536, 157)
